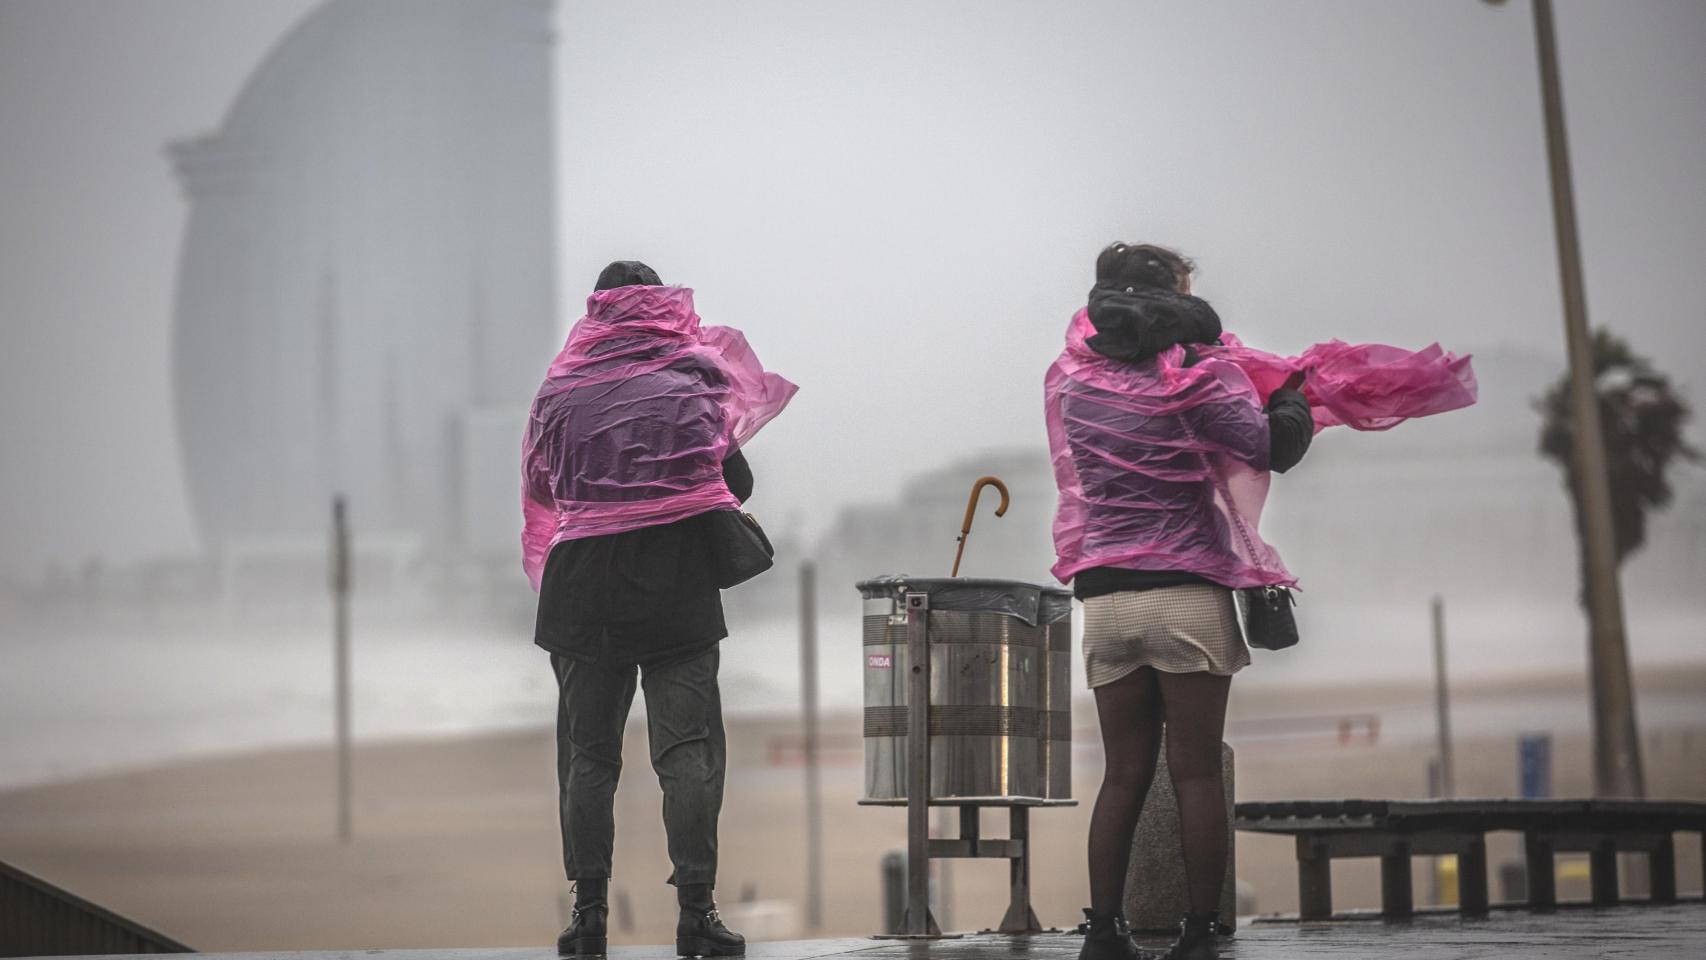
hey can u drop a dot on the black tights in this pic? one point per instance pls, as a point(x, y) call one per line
point(1131, 711)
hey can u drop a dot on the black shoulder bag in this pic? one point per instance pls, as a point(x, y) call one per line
point(740, 550)
point(1268, 621)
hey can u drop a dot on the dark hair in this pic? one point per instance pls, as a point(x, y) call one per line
point(627, 273)
point(1142, 265)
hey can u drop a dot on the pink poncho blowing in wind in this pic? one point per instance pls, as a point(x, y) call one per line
point(630, 428)
point(1163, 466)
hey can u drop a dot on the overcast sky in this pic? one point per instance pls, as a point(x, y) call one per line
point(898, 201)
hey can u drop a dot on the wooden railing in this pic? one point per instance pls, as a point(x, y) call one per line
point(38, 919)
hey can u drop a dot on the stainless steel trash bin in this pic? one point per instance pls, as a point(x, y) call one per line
point(1000, 689)
point(1055, 740)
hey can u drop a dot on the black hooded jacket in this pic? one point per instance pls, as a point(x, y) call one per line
point(1135, 324)
point(645, 597)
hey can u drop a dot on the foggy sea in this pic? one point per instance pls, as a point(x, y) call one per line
point(76, 701)
point(82, 701)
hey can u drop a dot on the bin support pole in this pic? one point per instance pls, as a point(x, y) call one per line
point(919, 922)
point(1020, 918)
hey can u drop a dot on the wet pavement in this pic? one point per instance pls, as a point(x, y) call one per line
point(1649, 933)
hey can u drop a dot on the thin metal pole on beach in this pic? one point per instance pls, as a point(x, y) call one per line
point(1616, 738)
point(808, 711)
point(340, 657)
point(1442, 703)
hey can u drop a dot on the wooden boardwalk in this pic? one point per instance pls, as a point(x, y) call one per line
point(1636, 932)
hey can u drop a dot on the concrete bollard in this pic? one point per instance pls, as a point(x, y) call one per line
point(1155, 892)
point(893, 873)
point(1513, 881)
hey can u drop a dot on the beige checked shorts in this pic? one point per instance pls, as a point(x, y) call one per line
point(1192, 628)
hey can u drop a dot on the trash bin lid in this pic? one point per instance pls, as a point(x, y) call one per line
point(1033, 603)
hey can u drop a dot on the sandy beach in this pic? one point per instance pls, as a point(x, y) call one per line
point(456, 838)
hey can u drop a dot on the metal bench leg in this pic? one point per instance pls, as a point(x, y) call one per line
point(1472, 878)
point(1542, 872)
point(1314, 879)
point(1661, 870)
point(1397, 901)
point(1603, 867)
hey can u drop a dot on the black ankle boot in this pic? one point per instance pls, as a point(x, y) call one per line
point(1199, 938)
point(1106, 937)
point(586, 935)
point(699, 932)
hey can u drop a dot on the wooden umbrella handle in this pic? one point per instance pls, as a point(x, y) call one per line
point(971, 513)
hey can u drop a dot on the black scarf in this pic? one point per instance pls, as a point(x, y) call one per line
point(1138, 323)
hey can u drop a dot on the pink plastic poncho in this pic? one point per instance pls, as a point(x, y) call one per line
point(634, 419)
point(1163, 466)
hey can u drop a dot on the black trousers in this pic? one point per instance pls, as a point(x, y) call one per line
point(684, 723)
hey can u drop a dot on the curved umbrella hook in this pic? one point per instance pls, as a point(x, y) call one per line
point(971, 512)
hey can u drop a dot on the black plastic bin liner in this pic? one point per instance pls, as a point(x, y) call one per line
point(1029, 602)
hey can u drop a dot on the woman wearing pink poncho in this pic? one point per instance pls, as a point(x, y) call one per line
point(1163, 432)
point(633, 439)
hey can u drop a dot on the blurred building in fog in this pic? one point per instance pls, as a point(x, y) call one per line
point(365, 291)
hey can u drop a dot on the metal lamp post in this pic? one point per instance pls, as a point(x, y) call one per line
point(1617, 745)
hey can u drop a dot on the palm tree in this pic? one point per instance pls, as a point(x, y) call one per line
point(1641, 418)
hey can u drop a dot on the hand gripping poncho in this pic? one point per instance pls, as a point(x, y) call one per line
point(634, 419)
point(1163, 466)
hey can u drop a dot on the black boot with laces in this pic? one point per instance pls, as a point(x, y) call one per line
point(699, 932)
point(1106, 937)
point(586, 935)
point(1199, 938)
